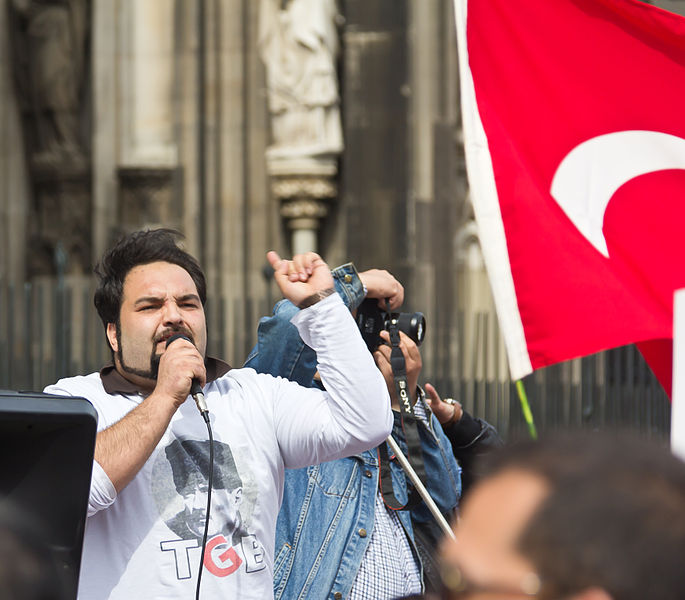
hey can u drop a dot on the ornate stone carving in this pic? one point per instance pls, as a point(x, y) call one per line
point(303, 208)
point(50, 44)
point(298, 42)
point(305, 187)
point(302, 186)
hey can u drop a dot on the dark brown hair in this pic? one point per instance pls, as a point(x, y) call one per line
point(614, 517)
point(140, 248)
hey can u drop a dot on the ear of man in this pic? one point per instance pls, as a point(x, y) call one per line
point(112, 336)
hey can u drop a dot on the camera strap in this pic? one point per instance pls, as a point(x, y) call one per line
point(409, 423)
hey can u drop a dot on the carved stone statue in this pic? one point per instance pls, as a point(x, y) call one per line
point(50, 62)
point(49, 46)
point(298, 42)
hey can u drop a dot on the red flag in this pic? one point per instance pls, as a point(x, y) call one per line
point(574, 124)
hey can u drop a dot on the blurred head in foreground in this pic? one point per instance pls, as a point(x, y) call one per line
point(579, 516)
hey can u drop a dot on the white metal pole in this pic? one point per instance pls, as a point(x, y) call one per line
point(420, 488)
point(678, 394)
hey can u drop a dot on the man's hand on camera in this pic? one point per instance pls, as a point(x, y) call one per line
point(304, 280)
point(412, 359)
point(381, 285)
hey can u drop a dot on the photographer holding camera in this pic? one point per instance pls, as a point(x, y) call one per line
point(470, 437)
point(335, 535)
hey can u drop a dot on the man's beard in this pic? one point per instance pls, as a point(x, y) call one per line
point(153, 371)
point(150, 373)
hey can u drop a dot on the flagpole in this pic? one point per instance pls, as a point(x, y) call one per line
point(525, 408)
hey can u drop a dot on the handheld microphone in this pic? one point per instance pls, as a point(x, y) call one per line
point(195, 388)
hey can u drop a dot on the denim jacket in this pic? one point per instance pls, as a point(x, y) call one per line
point(327, 514)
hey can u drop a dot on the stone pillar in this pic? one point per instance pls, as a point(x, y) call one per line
point(376, 165)
point(105, 70)
point(425, 79)
point(148, 163)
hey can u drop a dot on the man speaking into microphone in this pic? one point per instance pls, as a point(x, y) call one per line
point(135, 545)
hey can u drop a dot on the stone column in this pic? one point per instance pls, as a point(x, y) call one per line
point(148, 162)
point(104, 69)
point(14, 192)
point(422, 212)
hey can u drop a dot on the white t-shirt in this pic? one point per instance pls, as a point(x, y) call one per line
point(145, 542)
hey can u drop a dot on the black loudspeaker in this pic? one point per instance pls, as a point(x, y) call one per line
point(46, 458)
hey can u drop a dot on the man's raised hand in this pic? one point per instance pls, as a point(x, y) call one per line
point(303, 280)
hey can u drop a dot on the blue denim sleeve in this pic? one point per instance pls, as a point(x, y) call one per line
point(443, 475)
point(280, 351)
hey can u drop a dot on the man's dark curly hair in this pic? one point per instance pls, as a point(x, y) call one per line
point(140, 248)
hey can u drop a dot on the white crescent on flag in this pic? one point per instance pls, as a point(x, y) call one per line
point(593, 171)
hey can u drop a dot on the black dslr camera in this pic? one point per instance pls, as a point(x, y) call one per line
point(371, 320)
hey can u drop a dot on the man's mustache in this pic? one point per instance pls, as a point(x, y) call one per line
point(167, 333)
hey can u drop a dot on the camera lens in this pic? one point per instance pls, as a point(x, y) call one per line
point(413, 324)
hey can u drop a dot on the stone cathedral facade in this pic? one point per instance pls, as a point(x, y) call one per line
point(249, 125)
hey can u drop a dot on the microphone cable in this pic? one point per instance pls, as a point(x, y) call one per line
point(210, 482)
point(199, 397)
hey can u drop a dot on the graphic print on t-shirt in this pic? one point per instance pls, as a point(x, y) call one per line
point(180, 489)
